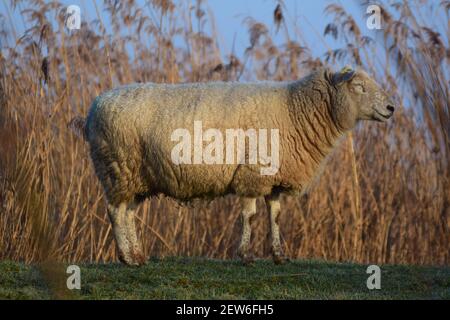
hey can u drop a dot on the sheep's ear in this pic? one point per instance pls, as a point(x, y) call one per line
point(346, 74)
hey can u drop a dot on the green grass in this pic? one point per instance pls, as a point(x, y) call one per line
point(196, 278)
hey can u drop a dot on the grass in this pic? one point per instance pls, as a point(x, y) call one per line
point(197, 278)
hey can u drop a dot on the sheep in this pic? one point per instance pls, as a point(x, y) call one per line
point(131, 131)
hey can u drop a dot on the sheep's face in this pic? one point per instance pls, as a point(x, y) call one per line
point(362, 97)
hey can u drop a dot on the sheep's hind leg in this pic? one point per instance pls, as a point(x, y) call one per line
point(273, 207)
point(122, 220)
point(248, 211)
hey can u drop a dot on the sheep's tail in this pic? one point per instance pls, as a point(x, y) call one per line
point(78, 126)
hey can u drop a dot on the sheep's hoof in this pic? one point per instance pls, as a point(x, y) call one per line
point(133, 263)
point(246, 258)
point(139, 259)
point(133, 259)
point(280, 259)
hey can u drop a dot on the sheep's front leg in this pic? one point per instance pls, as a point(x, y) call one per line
point(273, 207)
point(122, 220)
point(135, 245)
point(248, 211)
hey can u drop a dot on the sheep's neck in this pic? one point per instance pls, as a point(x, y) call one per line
point(315, 132)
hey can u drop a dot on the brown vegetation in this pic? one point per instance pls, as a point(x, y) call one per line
point(384, 196)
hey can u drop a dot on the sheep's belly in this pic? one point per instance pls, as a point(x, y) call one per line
point(206, 181)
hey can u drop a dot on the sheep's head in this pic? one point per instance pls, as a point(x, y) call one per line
point(359, 97)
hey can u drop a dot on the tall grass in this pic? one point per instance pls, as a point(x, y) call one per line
point(384, 196)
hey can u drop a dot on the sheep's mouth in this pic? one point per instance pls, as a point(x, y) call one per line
point(378, 116)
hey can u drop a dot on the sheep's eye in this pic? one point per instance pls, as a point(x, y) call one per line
point(359, 88)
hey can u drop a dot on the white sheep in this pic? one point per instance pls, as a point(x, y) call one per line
point(134, 132)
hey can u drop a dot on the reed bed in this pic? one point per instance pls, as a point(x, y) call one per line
point(384, 196)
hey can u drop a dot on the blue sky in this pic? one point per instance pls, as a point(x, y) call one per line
point(308, 15)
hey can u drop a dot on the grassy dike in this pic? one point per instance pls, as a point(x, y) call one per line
point(197, 278)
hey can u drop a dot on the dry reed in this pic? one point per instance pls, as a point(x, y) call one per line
point(385, 200)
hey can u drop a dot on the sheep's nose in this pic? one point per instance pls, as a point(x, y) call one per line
point(390, 108)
